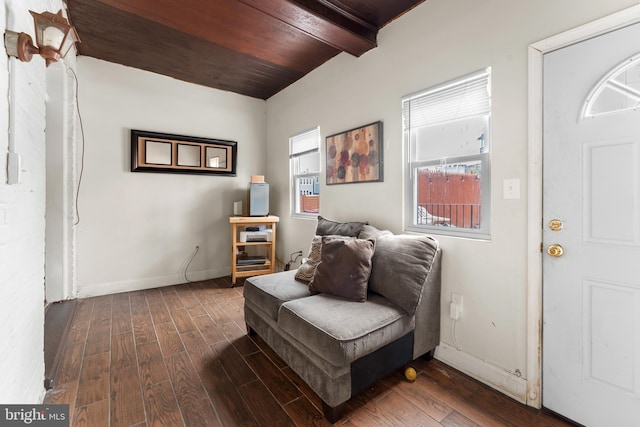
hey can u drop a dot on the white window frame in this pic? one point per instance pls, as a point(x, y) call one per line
point(303, 144)
point(442, 118)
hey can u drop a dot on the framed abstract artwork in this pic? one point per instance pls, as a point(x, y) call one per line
point(355, 155)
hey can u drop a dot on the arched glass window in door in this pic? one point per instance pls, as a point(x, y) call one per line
point(617, 91)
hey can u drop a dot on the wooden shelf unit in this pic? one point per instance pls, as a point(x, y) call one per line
point(238, 224)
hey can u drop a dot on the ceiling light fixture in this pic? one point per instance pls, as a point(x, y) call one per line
point(54, 36)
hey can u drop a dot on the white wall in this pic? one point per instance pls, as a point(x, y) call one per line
point(139, 230)
point(437, 41)
point(22, 214)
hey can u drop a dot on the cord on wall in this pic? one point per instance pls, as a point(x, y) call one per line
point(292, 260)
point(453, 335)
point(195, 252)
point(75, 77)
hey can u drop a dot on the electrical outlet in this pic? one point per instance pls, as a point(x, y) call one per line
point(455, 308)
point(456, 298)
point(454, 311)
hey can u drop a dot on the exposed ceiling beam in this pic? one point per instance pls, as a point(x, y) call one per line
point(327, 24)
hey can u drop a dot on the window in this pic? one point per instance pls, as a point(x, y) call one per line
point(618, 91)
point(447, 144)
point(304, 155)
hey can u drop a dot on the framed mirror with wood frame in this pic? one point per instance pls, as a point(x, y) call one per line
point(168, 153)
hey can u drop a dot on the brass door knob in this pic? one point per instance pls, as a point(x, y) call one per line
point(555, 250)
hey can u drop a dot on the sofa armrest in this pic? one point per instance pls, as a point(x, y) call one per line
point(427, 326)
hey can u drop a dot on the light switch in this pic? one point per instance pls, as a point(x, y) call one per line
point(511, 188)
point(14, 168)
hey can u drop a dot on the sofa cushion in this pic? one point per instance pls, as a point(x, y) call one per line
point(341, 331)
point(327, 227)
point(400, 265)
point(344, 268)
point(270, 291)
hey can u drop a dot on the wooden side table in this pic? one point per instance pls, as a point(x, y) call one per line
point(265, 261)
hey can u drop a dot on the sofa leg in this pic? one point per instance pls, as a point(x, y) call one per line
point(332, 413)
point(250, 330)
point(429, 355)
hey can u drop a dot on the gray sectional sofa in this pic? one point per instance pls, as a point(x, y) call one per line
point(341, 344)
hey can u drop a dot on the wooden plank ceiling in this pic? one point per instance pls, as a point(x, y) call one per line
point(250, 47)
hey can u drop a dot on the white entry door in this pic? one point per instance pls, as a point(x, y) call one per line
point(591, 237)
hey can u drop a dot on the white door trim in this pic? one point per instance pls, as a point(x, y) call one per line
point(534, 174)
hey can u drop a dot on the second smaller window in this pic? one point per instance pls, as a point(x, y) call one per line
point(304, 158)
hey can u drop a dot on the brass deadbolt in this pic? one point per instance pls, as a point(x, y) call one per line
point(555, 225)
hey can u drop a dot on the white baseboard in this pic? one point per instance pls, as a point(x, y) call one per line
point(98, 289)
point(495, 377)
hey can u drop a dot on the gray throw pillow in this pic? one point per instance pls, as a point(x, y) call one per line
point(344, 268)
point(400, 266)
point(327, 227)
point(308, 268)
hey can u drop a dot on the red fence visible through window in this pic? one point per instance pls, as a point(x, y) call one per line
point(449, 199)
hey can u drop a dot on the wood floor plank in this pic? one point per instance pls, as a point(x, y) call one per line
point(159, 312)
point(70, 363)
point(226, 398)
point(184, 379)
point(211, 333)
point(304, 388)
point(121, 314)
point(233, 331)
point(245, 345)
point(233, 363)
point(189, 300)
point(305, 413)
point(235, 312)
point(453, 381)
point(200, 414)
point(182, 320)
point(81, 320)
point(151, 365)
point(198, 349)
point(196, 311)
point(93, 385)
point(100, 327)
point(456, 419)
point(399, 411)
point(275, 380)
point(139, 303)
point(458, 402)
point(143, 330)
point(416, 393)
point(63, 394)
point(171, 298)
point(264, 406)
point(126, 398)
point(161, 406)
point(94, 415)
point(217, 313)
point(519, 415)
point(123, 351)
point(153, 295)
point(169, 339)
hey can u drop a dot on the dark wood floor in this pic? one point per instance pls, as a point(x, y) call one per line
point(180, 356)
